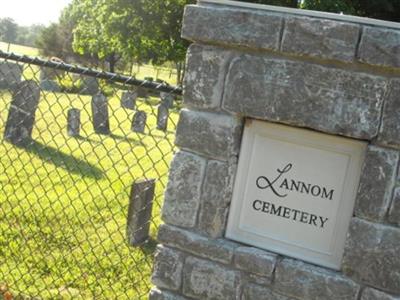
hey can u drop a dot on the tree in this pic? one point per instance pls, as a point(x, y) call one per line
point(8, 30)
point(379, 9)
point(147, 31)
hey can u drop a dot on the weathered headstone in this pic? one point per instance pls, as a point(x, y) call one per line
point(21, 116)
point(139, 122)
point(101, 123)
point(10, 74)
point(162, 117)
point(90, 85)
point(128, 100)
point(74, 122)
point(139, 211)
point(167, 99)
point(142, 92)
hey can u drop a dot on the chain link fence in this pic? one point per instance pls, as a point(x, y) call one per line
point(84, 162)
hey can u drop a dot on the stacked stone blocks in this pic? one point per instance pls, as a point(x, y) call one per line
point(333, 76)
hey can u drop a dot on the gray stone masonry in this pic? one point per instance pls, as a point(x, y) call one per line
point(389, 133)
point(157, 294)
point(371, 294)
point(128, 100)
point(211, 134)
point(394, 212)
point(372, 255)
point(376, 183)
point(257, 292)
point(167, 270)
point(182, 196)
point(206, 280)
point(218, 250)
point(303, 281)
point(304, 36)
point(338, 75)
point(21, 115)
point(307, 95)
point(320, 38)
point(380, 46)
point(205, 74)
point(232, 27)
point(254, 260)
point(215, 197)
point(10, 75)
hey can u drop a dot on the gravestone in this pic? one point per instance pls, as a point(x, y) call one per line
point(128, 100)
point(21, 115)
point(139, 122)
point(167, 99)
point(49, 78)
point(100, 116)
point(162, 117)
point(90, 85)
point(73, 122)
point(142, 92)
point(10, 74)
point(139, 211)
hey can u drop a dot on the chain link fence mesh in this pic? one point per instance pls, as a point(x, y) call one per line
point(73, 141)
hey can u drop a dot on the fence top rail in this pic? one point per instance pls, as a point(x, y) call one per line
point(128, 80)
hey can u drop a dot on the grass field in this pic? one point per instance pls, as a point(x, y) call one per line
point(63, 202)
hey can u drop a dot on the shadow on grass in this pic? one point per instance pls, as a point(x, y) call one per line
point(62, 160)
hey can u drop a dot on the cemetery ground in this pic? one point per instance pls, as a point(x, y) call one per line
point(164, 73)
point(64, 201)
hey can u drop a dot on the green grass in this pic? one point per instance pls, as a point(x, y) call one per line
point(19, 49)
point(63, 202)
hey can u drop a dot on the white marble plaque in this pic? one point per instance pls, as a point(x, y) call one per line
point(294, 192)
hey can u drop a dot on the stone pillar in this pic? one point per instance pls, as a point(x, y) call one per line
point(100, 119)
point(73, 122)
point(21, 115)
point(338, 75)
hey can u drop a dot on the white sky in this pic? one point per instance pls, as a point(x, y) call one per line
point(28, 12)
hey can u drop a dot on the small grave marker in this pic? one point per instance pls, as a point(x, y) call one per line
point(101, 123)
point(139, 211)
point(74, 122)
point(139, 122)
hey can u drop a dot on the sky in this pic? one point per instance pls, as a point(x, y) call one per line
point(28, 12)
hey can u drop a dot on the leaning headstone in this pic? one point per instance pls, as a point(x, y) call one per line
point(101, 123)
point(162, 117)
point(128, 100)
point(21, 116)
point(139, 211)
point(73, 122)
point(10, 75)
point(167, 99)
point(90, 85)
point(139, 122)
